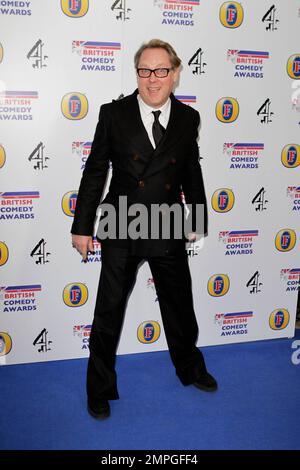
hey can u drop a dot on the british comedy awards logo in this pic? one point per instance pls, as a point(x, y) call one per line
point(187, 99)
point(293, 193)
point(15, 8)
point(291, 278)
point(83, 332)
point(19, 298)
point(238, 242)
point(178, 12)
point(97, 56)
point(247, 64)
point(81, 150)
point(95, 255)
point(232, 324)
point(74, 106)
point(18, 205)
point(243, 156)
point(151, 285)
point(17, 105)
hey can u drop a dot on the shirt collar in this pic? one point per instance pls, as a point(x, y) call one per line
point(148, 109)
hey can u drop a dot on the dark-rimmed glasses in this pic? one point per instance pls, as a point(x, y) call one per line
point(162, 72)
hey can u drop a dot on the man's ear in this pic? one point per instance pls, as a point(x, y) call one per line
point(176, 74)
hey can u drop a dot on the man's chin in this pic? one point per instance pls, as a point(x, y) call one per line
point(154, 101)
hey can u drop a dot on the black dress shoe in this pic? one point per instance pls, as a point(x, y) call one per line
point(102, 411)
point(206, 382)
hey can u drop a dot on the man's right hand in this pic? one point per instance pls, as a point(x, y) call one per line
point(83, 244)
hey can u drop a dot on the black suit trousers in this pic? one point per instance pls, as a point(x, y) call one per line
point(173, 287)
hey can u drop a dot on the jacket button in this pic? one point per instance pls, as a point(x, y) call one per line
point(141, 184)
point(168, 186)
point(173, 160)
point(135, 157)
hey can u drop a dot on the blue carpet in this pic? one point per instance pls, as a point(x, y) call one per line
point(43, 405)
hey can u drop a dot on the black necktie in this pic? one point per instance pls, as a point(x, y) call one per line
point(157, 129)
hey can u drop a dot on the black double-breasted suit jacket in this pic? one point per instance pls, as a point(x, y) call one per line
point(144, 174)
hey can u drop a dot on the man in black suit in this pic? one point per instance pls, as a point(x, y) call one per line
point(151, 140)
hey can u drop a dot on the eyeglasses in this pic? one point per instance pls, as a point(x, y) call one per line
point(159, 73)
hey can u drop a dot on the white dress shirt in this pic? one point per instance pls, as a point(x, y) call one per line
point(148, 117)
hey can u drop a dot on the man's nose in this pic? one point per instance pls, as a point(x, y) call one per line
point(152, 77)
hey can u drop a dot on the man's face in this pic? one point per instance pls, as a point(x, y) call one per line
point(155, 91)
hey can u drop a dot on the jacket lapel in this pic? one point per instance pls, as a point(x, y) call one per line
point(173, 133)
point(134, 127)
point(174, 127)
point(131, 122)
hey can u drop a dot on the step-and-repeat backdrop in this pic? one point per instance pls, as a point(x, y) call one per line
point(59, 61)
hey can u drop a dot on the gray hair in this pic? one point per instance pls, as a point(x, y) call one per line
point(158, 44)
